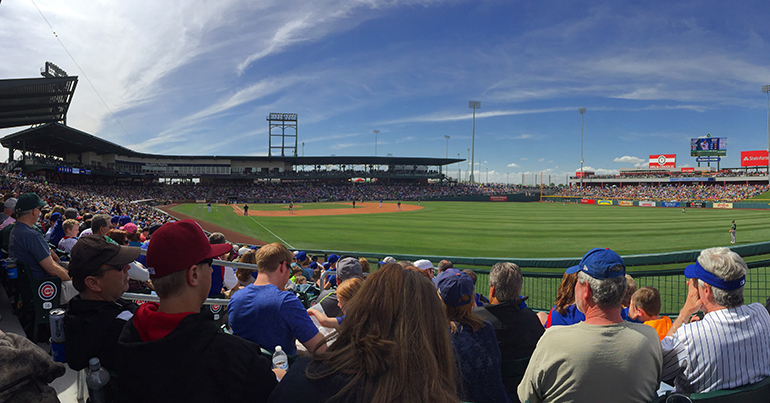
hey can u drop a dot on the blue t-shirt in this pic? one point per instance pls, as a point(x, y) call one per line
point(270, 317)
point(143, 258)
point(28, 245)
point(58, 232)
point(217, 280)
point(624, 315)
point(572, 316)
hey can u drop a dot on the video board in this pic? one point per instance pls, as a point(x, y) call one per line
point(708, 147)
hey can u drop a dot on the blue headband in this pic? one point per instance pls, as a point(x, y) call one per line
point(697, 271)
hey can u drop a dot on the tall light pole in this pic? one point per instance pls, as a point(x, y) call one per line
point(766, 90)
point(447, 145)
point(469, 163)
point(474, 105)
point(459, 174)
point(487, 181)
point(376, 132)
point(582, 112)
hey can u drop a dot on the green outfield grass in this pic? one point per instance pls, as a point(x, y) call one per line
point(500, 229)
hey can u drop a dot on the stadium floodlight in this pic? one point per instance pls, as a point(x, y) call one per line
point(376, 132)
point(582, 112)
point(469, 165)
point(474, 105)
point(459, 171)
point(766, 90)
point(447, 146)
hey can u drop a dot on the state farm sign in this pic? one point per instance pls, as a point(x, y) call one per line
point(660, 161)
point(756, 158)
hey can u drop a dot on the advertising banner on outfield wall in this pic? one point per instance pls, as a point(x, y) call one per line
point(604, 202)
point(690, 169)
point(498, 198)
point(723, 205)
point(696, 204)
point(626, 203)
point(587, 201)
point(662, 161)
point(670, 204)
point(646, 204)
point(756, 158)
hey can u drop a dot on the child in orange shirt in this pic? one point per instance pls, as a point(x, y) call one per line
point(645, 306)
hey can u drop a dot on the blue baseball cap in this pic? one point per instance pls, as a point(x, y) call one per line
point(333, 258)
point(697, 271)
point(55, 217)
point(598, 263)
point(301, 256)
point(453, 285)
point(313, 265)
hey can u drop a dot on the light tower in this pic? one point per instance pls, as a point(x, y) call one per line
point(582, 112)
point(474, 105)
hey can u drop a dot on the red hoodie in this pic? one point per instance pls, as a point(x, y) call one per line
point(154, 325)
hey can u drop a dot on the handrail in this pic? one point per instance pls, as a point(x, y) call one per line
point(153, 297)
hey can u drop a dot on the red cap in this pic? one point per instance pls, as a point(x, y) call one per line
point(179, 245)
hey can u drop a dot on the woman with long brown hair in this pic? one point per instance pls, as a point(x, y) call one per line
point(474, 341)
point(393, 346)
point(565, 312)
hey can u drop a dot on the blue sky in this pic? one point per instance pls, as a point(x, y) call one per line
point(199, 77)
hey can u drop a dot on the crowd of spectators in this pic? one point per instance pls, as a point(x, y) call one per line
point(724, 173)
point(409, 331)
point(709, 192)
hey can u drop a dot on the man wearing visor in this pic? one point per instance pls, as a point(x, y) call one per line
point(730, 346)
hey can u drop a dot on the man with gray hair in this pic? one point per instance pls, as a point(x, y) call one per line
point(100, 225)
point(517, 329)
point(730, 346)
point(602, 357)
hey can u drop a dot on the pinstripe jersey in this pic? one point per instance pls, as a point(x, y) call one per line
point(726, 349)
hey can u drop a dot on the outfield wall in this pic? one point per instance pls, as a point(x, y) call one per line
point(758, 204)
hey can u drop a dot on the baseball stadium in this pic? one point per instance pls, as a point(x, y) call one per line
point(373, 208)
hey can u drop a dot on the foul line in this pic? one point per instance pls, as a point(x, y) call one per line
point(272, 233)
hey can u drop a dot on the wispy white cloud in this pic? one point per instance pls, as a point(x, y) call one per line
point(513, 165)
point(629, 159)
point(450, 117)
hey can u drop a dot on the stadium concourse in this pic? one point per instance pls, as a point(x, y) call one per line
point(491, 337)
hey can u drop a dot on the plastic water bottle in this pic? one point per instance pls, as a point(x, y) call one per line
point(280, 359)
point(96, 380)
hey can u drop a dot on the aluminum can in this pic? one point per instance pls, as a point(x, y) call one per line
point(56, 317)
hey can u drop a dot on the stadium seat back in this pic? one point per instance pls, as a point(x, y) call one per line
point(39, 296)
point(755, 393)
point(758, 392)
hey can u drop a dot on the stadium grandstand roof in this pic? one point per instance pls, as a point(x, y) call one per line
point(30, 101)
point(56, 139)
point(59, 140)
